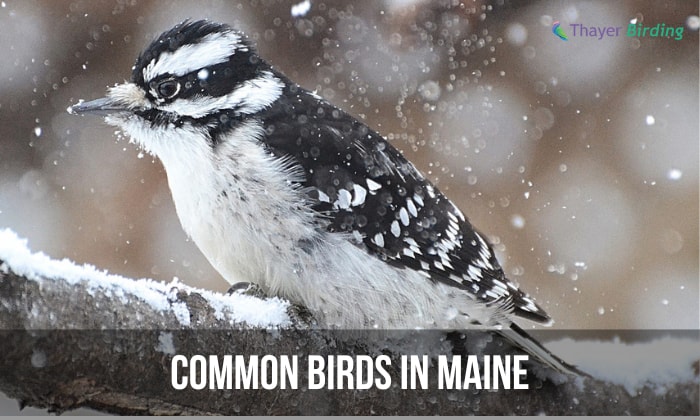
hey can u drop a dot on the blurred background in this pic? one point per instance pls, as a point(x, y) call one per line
point(578, 159)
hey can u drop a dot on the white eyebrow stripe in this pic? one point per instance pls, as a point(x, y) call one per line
point(250, 97)
point(213, 49)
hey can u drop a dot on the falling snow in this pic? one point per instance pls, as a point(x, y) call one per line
point(301, 9)
point(674, 174)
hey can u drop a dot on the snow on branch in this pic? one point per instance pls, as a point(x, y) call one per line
point(139, 298)
point(74, 336)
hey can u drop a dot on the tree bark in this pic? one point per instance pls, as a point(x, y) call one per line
point(66, 345)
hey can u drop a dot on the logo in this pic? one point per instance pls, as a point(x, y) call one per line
point(634, 29)
point(558, 31)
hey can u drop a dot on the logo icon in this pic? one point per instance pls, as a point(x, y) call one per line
point(556, 30)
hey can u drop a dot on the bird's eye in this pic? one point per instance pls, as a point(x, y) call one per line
point(168, 88)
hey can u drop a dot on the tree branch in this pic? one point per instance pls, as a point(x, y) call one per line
point(68, 343)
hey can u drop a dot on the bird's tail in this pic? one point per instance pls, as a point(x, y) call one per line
point(526, 342)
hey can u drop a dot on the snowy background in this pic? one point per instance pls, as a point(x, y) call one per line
point(578, 159)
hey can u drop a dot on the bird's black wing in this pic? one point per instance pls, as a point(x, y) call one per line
point(363, 185)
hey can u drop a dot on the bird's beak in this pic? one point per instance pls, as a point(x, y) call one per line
point(102, 106)
point(126, 97)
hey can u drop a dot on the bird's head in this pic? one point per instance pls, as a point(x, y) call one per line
point(198, 75)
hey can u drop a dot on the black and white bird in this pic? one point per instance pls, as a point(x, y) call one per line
point(280, 188)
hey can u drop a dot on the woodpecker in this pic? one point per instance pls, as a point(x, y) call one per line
point(280, 188)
